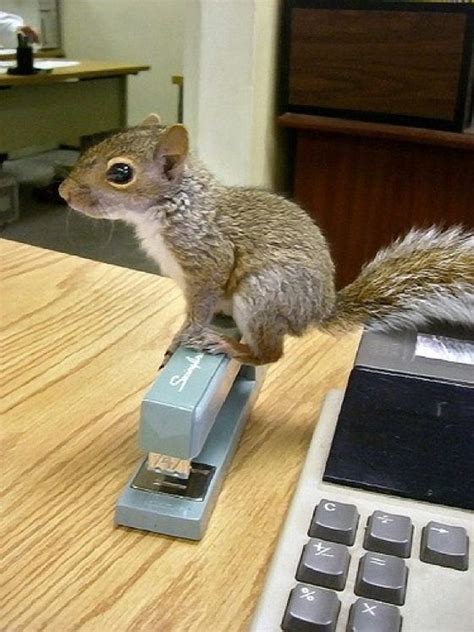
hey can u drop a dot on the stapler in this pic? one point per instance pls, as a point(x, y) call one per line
point(191, 421)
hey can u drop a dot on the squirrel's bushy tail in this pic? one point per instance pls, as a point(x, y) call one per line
point(427, 276)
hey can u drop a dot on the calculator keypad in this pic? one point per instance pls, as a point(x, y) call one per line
point(382, 577)
point(382, 574)
point(324, 563)
point(334, 521)
point(311, 609)
point(445, 545)
point(389, 533)
point(371, 616)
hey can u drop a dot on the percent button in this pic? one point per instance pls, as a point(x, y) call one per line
point(311, 609)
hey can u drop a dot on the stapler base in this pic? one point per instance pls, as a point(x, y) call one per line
point(182, 516)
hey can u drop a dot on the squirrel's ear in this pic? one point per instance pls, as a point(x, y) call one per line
point(172, 148)
point(151, 119)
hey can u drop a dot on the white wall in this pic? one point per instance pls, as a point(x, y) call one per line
point(220, 65)
point(230, 89)
point(27, 9)
point(141, 31)
point(229, 72)
point(268, 140)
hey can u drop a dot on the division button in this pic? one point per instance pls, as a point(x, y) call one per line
point(366, 615)
point(311, 609)
point(324, 563)
point(389, 533)
point(382, 577)
point(334, 521)
point(445, 545)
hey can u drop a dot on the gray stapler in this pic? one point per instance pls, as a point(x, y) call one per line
point(190, 424)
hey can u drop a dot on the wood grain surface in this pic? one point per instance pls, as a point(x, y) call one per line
point(81, 344)
point(85, 70)
point(366, 184)
point(383, 131)
point(394, 62)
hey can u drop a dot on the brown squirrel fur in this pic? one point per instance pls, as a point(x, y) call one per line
point(258, 256)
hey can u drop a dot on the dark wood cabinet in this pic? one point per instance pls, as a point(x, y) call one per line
point(379, 96)
point(408, 63)
point(368, 183)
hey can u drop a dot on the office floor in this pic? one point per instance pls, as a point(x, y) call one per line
point(55, 227)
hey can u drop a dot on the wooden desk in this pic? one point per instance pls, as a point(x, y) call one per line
point(59, 106)
point(83, 341)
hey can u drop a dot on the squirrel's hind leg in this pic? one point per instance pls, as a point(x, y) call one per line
point(262, 331)
point(241, 351)
point(262, 328)
point(211, 341)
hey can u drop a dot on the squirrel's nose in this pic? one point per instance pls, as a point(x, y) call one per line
point(65, 190)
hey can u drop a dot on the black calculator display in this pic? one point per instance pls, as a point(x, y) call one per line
point(407, 435)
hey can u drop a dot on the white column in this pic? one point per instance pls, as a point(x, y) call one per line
point(229, 87)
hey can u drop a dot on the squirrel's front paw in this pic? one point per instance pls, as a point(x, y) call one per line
point(204, 340)
point(169, 352)
point(166, 358)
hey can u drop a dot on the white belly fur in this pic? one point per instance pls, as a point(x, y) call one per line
point(155, 246)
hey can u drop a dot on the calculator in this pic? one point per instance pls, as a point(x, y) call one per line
point(377, 537)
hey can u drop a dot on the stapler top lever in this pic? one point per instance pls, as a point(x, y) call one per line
point(181, 407)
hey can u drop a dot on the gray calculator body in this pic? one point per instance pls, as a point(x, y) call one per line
point(390, 575)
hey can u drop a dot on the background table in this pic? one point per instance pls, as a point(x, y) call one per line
point(82, 343)
point(60, 106)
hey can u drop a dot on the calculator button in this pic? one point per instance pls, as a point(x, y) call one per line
point(389, 533)
point(311, 609)
point(445, 545)
point(372, 616)
point(334, 521)
point(324, 563)
point(382, 577)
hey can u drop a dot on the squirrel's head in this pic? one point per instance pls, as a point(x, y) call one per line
point(128, 172)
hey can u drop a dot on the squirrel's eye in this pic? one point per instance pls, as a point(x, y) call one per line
point(120, 173)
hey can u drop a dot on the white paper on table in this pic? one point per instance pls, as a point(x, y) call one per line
point(42, 64)
point(50, 64)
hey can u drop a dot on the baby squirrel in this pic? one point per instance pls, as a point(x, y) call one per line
point(257, 256)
